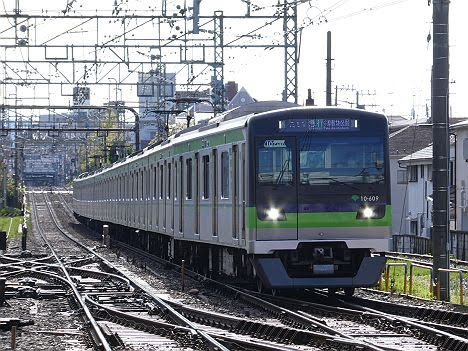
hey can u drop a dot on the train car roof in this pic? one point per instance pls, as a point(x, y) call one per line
point(232, 119)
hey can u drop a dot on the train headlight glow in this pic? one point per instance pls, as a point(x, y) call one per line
point(368, 212)
point(273, 214)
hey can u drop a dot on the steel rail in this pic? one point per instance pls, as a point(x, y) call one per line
point(214, 344)
point(301, 318)
point(410, 311)
point(450, 341)
point(292, 316)
point(101, 341)
point(149, 324)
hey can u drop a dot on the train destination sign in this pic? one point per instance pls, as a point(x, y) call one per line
point(319, 125)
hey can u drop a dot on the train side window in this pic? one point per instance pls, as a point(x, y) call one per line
point(148, 183)
point(225, 175)
point(130, 186)
point(161, 182)
point(188, 193)
point(175, 180)
point(137, 177)
point(169, 180)
point(134, 185)
point(206, 177)
point(142, 173)
point(127, 182)
point(155, 184)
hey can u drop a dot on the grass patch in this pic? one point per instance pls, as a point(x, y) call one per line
point(421, 282)
point(15, 222)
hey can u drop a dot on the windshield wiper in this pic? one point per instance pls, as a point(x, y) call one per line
point(365, 171)
point(283, 169)
point(338, 182)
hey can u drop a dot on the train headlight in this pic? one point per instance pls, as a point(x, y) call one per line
point(368, 212)
point(273, 214)
point(371, 212)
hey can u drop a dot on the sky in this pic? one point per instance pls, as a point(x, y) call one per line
point(379, 47)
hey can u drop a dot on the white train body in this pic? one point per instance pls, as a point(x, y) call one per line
point(196, 192)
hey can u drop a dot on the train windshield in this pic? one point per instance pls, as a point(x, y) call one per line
point(275, 162)
point(328, 160)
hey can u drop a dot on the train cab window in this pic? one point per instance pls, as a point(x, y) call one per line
point(161, 182)
point(168, 180)
point(225, 175)
point(275, 163)
point(330, 160)
point(188, 193)
point(206, 176)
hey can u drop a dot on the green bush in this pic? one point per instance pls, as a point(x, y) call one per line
point(10, 212)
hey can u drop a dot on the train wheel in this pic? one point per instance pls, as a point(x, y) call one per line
point(349, 291)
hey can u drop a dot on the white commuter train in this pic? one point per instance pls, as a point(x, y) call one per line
point(293, 197)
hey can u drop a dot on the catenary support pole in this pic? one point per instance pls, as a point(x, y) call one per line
point(329, 66)
point(441, 145)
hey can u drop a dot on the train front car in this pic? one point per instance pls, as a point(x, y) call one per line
point(319, 197)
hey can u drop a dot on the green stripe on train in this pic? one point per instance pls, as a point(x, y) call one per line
point(214, 140)
point(319, 219)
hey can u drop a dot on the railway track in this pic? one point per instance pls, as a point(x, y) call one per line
point(423, 258)
point(354, 321)
point(142, 309)
point(134, 313)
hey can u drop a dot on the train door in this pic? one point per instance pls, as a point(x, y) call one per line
point(174, 194)
point(235, 192)
point(157, 195)
point(154, 211)
point(163, 191)
point(197, 194)
point(169, 197)
point(244, 189)
point(276, 188)
point(181, 196)
point(215, 194)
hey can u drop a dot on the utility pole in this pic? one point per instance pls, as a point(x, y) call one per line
point(329, 60)
point(441, 146)
point(15, 144)
point(336, 95)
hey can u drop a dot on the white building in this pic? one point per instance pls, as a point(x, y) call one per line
point(415, 174)
point(154, 90)
point(404, 142)
point(461, 175)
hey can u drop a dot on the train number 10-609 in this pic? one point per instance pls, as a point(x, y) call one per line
point(369, 198)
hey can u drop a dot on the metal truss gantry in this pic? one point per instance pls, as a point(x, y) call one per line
point(120, 45)
point(290, 51)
